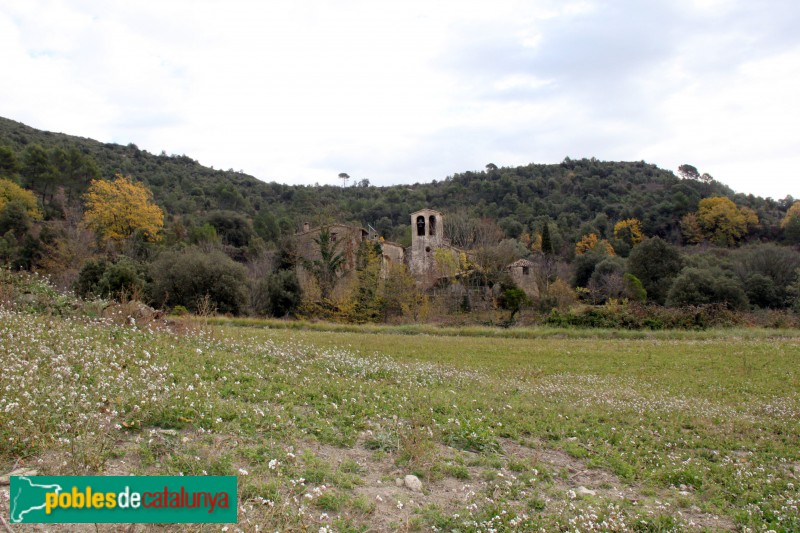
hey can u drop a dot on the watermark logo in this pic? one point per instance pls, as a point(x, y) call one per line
point(123, 499)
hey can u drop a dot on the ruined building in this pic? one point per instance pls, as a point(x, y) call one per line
point(430, 258)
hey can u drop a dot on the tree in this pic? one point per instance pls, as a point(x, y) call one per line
point(14, 220)
point(656, 264)
point(696, 286)
point(344, 176)
point(722, 222)
point(232, 228)
point(402, 297)
point(792, 212)
point(591, 242)
point(790, 224)
point(513, 299)
point(447, 262)
point(793, 292)
point(279, 294)
point(547, 241)
point(629, 231)
point(327, 268)
point(99, 278)
point(118, 209)
point(37, 168)
point(9, 164)
point(11, 192)
point(634, 288)
point(690, 229)
point(607, 279)
point(761, 291)
point(266, 226)
point(586, 244)
point(584, 264)
point(460, 229)
point(367, 297)
point(188, 276)
point(777, 263)
point(688, 172)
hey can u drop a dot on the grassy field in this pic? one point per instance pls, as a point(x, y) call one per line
point(555, 432)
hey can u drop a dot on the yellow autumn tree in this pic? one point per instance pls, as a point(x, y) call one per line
point(792, 213)
point(790, 224)
point(446, 262)
point(590, 242)
point(118, 209)
point(629, 231)
point(722, 222)
point(11, 192)
point(690, 229)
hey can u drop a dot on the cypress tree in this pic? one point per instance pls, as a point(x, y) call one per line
point(547, 242)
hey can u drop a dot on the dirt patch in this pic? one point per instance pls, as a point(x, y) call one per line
point(601, 481)
point(395, 505)
point(607, 485)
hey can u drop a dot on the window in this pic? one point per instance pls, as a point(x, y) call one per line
point(432, 225)
point(421, 226)
point(526, 271)
point(333, 237)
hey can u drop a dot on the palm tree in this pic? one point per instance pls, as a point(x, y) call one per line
point(326, 269)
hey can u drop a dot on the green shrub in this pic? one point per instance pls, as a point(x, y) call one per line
point(99, 278)
point(634, 288)
point(278, 295)
point(88, 283)
point(179, 310)
point(656, 264)
point(122, 279)
point(637, 316)
point(696, 286)
point(761, 291)
point(185, 277)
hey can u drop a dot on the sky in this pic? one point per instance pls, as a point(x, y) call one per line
point(298, 91)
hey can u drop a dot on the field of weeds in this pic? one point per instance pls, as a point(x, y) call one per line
point(506, 434)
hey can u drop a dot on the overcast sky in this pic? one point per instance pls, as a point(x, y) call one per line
point(401, 92)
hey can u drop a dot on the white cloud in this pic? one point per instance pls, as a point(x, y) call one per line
point(413, 91)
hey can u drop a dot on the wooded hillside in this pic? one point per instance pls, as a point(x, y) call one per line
point(578, 221)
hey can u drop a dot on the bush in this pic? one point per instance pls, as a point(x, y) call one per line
point(755, 262)
point(634, 288)
point(98, 278)
point(185, 277)
point(513, 299)
point(761, 291)
point(278, 295)
point(695, 286)
point(656, 264)
point(638, 316)
point(232, 228)
point(123, 279)
point(585, 264)
point(88, 283)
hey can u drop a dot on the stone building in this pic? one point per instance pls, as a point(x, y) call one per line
point(427, 235)
point(522, 274)
point(346, 240)
point(428, 248)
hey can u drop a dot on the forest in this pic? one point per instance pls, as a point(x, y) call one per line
point(612, 244)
